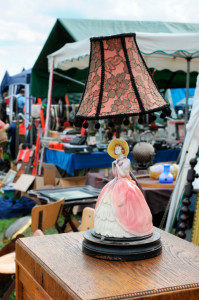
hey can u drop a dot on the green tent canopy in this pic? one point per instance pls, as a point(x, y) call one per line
point(71, 30)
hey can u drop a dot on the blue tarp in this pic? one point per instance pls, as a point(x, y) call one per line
point(180, 94)
point(73, 161)
point(19, 79)
point(5, 81)
point(10, 208)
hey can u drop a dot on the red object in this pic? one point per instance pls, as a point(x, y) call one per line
point(22, 130)
point(67, 138)
point(42, 118)
point(56, 146)
point(67, 124)
point(7, 101)
point(39, 101)
point(24, 155)
point(36, 159)
point(27, 154)
point(66, 99)
point(20, 154)
point(99, 179)
point(154, 126)
point(83, 130)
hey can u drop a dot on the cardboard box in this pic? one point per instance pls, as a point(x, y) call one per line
point(54, 134)
point(39, 183)
point(71, 181)
point(24, 182)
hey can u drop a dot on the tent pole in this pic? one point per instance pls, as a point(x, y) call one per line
point(10, 94)
point(187, 93)
point(69, 78)
point(50, 87)
point(27, 111)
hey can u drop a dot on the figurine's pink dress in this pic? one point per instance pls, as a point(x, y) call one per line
point(121, 209)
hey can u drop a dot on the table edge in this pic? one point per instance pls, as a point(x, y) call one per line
point(153, 292)
point(122, 296)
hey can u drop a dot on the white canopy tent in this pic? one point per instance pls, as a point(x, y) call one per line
point(174, 52)
point(160, 50)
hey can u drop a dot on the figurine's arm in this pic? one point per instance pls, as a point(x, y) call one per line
point(113, 168)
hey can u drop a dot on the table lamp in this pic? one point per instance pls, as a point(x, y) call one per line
point(120, 85)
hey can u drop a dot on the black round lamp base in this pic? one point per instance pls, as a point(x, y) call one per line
point(126, 249)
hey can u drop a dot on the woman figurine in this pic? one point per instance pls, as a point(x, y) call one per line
point(121, 210)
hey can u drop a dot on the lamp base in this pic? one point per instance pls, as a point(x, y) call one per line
point(126, 249)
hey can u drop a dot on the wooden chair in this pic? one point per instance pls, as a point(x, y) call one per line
point(43, 217)
point(46, 216)
point(87, 218)
point(87, 221)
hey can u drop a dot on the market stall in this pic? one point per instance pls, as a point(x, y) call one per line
point(161, 51)
point(119, 107)
point(74, 161)
point(13, 83)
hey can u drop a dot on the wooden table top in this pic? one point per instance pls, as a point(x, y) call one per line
point(149, 182)
point(84, 277)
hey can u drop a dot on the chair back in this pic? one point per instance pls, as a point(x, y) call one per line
point(87, 218)
point(45, 216)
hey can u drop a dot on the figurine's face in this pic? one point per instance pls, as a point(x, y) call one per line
point(118, 150)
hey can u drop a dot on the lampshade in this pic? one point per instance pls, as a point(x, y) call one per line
point(119, 83)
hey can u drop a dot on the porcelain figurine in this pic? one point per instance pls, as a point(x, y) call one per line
point(121, 210)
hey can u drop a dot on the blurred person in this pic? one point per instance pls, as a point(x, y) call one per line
point(6, 98)
point(21, 100)
point(3, 115)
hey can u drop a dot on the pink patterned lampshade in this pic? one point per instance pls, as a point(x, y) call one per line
point(119, 83)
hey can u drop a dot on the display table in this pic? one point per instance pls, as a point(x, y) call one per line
point(74, 161)
point(82, 195)
point(54, 267)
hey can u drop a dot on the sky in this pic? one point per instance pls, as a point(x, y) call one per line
point(26, 24)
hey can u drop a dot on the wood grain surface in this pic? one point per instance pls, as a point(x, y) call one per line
point(152, 183)
point(57, 263)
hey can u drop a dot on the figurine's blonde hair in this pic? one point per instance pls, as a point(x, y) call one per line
point(119, 142)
